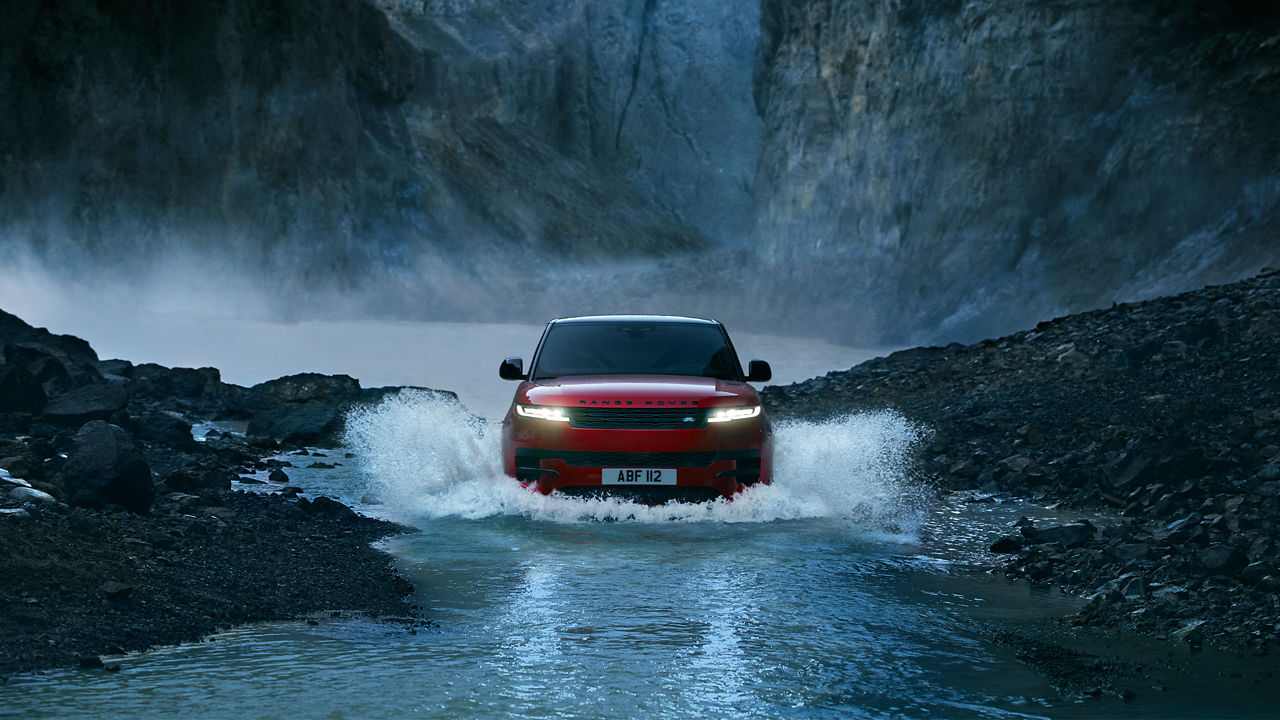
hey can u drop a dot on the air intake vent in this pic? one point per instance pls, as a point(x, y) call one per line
point(638, 419)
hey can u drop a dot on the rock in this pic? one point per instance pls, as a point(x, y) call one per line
point(1018, 464)
point(30, 495)
point(105, 462)
point(1007, 545)
point(309, 387)
point(89, 661)
point(14, 513)
point(328, 507)
point(7, 480)
point(1191, 632)
point(1222, 559)
point(278, 476)
point(963, 468)
point(1269, 472)
point(17, 464)
point(199, 481)
point(116, 591)
point(166, 430)
point(184, 500)
point(20, 391)
point(93, 402)
point(321, 466)
point(1069, 535)
point(1132, 551)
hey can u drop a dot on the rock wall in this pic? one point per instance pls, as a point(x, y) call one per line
point(421, 156)
point(946, 169)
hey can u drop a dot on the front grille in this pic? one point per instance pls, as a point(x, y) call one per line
point(638, 418)
point(638, 459)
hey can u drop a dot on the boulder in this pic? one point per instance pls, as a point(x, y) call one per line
point(165, 429)
point(105, 466)
point(30, 495)
point(278, 476)
point(308, 387)
point(92, 402)
point(1007, 545)
point(1069, 535)
point(20, 391)
point(1219, 559)
point(297, 424)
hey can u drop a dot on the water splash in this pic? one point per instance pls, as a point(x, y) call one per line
point(427, 457)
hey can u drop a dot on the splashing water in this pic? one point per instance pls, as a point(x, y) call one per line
point(427, 457)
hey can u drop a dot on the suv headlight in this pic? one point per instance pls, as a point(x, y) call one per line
point(728, 414)
point(543, 412)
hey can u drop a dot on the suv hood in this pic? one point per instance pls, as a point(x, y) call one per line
point(637, 391)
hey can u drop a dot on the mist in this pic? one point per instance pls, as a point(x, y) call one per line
point(783, 167)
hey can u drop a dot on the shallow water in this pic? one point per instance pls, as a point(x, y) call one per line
point(842, 591)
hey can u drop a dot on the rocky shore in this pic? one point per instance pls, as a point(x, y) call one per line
point(120, 530)
point(1161, 418)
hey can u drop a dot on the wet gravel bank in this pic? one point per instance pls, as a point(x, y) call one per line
point(1165, 414)
point(120, 530)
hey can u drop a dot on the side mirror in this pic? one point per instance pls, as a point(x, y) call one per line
point(511, 369)
point(759, 371)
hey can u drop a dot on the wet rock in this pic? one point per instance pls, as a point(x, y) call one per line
point(93, 402)
point(1132, 551)
point(19, 465)
point(1222, 559)
point(321, 466)
point(278, 476)
point(1007, 544)
point(30, 495)
point(107, 464)
point(116, 591)
point(9, 481)
point(1191, 632)
point(1069, 535)
point(165, 429)
point(328, 507)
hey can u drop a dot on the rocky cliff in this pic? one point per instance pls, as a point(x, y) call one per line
point(958, 168)
point(884, 171)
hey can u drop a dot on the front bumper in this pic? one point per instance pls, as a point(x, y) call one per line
point(711, 462)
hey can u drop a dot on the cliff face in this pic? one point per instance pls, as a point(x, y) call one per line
point(887, 170)
point(962, 168)
point(422, 156)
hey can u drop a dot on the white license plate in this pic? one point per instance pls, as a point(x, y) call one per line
point(638, 476)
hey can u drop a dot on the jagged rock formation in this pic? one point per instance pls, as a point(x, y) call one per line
point(962, 168)
point(883, 171)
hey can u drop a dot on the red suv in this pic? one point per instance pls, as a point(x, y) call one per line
point(652, 408)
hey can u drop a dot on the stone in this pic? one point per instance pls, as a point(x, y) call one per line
point(278, 476)
point(92, 402)
point(1191, 632)
point(1069, 535)
point(165, 429)
point(106, 462)
point(20, 391)
point(116, 591)
point(30, 495)
point(1006, 545)
point(1220, 559)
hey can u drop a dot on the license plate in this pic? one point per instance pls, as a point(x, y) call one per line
point(638, 476)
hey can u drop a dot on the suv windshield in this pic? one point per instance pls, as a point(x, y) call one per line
point(637, 348)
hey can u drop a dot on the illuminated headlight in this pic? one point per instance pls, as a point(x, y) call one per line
point(543, 412)
point(733, 413)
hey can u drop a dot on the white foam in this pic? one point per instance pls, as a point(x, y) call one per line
point(428, 458)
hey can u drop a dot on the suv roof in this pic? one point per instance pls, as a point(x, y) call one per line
point(635, 318)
